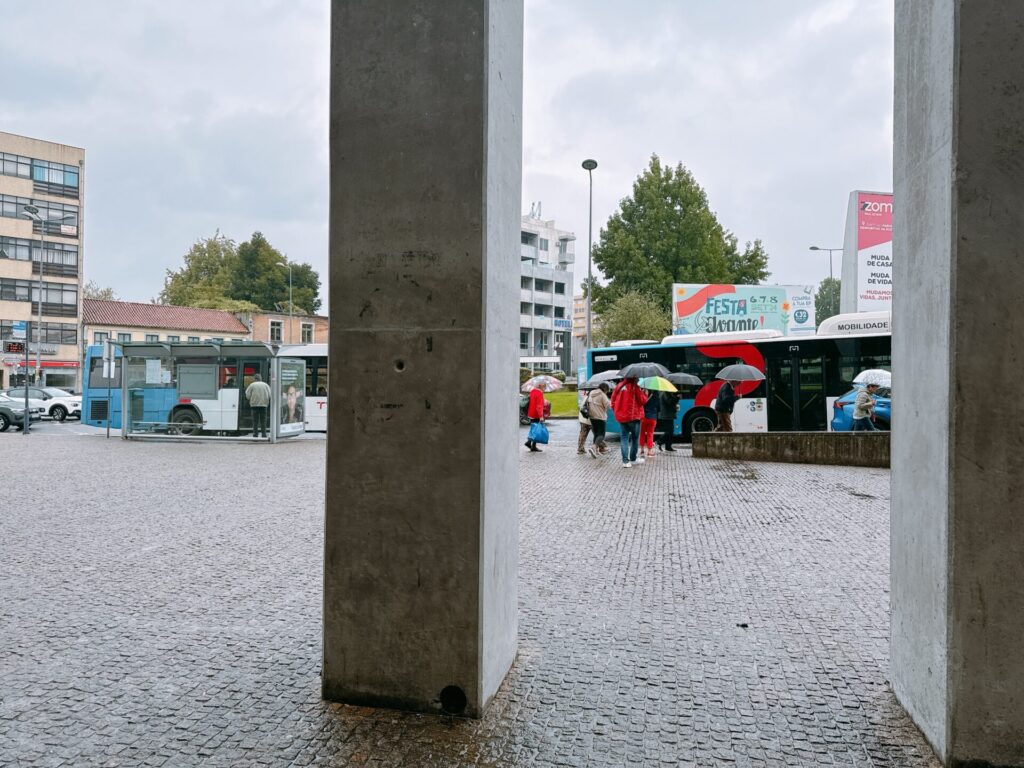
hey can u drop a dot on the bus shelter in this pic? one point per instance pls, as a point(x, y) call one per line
point(197, 391)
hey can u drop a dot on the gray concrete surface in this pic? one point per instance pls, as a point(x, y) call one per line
point(162, 606)
point(957, 601)
point(426, 153)
point(854, 449)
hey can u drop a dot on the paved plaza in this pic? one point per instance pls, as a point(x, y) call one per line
point(161, 605)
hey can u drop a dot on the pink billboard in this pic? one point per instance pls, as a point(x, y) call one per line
point(874, 251)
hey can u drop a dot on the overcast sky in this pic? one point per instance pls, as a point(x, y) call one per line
point(198, 116)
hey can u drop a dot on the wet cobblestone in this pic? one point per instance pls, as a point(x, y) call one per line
point(161, 606)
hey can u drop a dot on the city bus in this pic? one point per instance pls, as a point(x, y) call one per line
point(315, 357)
point(189, 389)
point(804, 375)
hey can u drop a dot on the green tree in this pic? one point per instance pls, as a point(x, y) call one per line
point(204, 279)
point(665, 233)
point(826, 300)
point(92, 290)
point(632, 316)
point(261, 277)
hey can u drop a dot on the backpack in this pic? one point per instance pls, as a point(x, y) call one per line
point(585, 408)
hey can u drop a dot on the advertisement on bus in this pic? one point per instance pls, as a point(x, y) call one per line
point(293, 397)
point(704, 308)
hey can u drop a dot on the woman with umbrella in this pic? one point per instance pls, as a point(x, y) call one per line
point(535, 411)
point(628, 406)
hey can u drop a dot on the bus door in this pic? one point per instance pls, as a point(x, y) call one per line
point(247, 375)
point(810, 391)
point(796, 392)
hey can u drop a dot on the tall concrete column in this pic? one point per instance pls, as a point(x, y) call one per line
point(958, 347)
point(422, 454)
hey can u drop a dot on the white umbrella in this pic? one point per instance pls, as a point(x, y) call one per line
point(879, 376)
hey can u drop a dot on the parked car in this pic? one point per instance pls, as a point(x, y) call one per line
point(56, 403)
point(842, 410)
point(11, 412)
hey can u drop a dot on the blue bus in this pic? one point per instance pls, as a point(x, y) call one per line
point(805, 376)
point(188, 389)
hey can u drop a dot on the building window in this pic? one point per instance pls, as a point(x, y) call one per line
point(526, 283)
point(152, 337)
point(307, 333)
point(559, 312)
point(11, 207)
point(99, 337)
point(174, 339)
point(525, 238)
point(59, 299)
point(193, 339)
point(59, 259)
point(543, 244)
point(275, 330)
point(560, 288)
point(52, 333)
point(124, 337)
point(54, 179)
point(524, 340)
point(216, 339)
point(524, 308)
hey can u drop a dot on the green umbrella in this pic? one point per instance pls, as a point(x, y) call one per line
point(657, 384)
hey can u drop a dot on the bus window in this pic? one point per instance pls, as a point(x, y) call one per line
point(96, 377)
point(228, 378)
point(316, 378)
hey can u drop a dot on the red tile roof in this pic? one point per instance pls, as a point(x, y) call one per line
point(130, 314)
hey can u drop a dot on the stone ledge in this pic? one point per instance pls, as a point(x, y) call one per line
point(855, 449)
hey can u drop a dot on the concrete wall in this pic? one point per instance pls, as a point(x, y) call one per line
point(857, 449)
point(422, 497)
point(957, 540)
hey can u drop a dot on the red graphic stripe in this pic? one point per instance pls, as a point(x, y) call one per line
point(746, 352)
point(699, 299)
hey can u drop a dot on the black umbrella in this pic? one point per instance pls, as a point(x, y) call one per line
point(681, 379)
point(740, 372)
point(604, 377)
point(643, 370)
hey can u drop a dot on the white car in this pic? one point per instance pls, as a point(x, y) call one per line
point(56, 403)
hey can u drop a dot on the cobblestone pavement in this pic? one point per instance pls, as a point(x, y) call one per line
point(161, 606)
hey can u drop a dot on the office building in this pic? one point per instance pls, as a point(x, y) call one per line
point(546, 257)
point(42, 197)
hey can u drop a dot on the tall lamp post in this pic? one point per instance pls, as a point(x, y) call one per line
point(830, 252)
point(32, 212)
point(291, 304)
point(589, 166)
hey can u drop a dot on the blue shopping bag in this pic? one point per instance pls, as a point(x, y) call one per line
point(538, 433)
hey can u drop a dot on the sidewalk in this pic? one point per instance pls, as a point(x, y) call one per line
point(683, 612)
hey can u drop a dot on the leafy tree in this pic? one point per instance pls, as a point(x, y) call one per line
point(826, 300)
point(633, 316)
point(204, 279)
point(749, 267)
point(253, 276)
point(92, 290)
point(261, 276)
point(665, 233)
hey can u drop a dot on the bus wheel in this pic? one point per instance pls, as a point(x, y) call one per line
point(699, 421)
point(185, 422)
point(59, 413)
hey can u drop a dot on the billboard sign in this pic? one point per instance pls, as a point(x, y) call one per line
point(705, 308)
point(867, 253)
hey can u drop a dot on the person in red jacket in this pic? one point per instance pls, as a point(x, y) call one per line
point(628, 406)
point(535, 411)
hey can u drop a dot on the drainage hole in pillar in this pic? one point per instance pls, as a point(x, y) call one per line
point(399, 365)
point(453, 700)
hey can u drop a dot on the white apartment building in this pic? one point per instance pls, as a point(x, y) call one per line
point(546, 257)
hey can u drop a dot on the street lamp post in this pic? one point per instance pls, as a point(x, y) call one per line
point(291, 305)
point(830, 252)
point(32, 212)
point(589, 166)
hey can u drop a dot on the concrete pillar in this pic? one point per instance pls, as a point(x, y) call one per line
point(958, 440)
point(422, 455)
